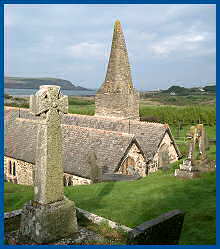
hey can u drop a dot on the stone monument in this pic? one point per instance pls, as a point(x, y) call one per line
point(51, 215)
point(192, 166)
point(95, 170)
point(117, 97)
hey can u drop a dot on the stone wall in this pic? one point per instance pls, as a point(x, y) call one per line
point(72, 180)
point(172, 155)
point(134, 163)
point(22, 173)
point(18, 171)
point(122, 106)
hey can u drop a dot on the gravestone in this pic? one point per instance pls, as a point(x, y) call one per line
point(163, 230)
point(203, 163)
point(51, 215)
point(188, 168)
point(192, 166)
point(95, 170)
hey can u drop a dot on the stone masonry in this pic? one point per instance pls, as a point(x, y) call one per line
point(21, 172)
point(117, 97)
point(50, 216)
point(17, 171)
point(134, 163)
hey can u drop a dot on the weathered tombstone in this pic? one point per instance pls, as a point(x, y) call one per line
point(203, 162)
point(51, 215)
point(164, 230)
point(188, 168)
point(95, 170)
point(192, 167)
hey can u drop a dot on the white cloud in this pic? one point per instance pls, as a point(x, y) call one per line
point(88, 50)
point(178, 43)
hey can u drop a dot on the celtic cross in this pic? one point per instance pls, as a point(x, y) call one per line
point(48, 170)
point(49, 100)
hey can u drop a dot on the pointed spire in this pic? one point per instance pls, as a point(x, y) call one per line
point(118, 78)
point(117, 97)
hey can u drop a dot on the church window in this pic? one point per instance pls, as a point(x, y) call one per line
point(10, 168)
point(14, 169)
point(69, 183)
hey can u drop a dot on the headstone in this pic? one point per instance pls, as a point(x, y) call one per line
point(164, 230)
point(51, 215)
point(188, 168)
point(95, 170)
point(192, 166)
point(204, 163)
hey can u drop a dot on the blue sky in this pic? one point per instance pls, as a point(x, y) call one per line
point(167, 44)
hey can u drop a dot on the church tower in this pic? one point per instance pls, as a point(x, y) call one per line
point(117, 97)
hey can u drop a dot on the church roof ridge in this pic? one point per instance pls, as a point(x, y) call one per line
point(101, 131)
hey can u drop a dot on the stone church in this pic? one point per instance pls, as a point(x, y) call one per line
point(123, 145)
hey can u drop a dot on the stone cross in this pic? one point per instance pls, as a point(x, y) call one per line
point(51, 216)
point(48, 172)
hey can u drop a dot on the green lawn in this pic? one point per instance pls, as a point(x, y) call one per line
point(132, 203)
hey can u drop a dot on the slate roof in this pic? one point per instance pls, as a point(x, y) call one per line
point(110, 147)
point(148, 135)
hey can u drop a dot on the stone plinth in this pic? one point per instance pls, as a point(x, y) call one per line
point(187, 170)
point(50, 222)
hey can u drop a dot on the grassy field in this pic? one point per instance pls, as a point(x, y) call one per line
point(166, 99)
point(132, 203)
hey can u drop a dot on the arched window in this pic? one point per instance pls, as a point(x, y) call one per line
point(69, 183)
point(14, 169)
point(10, 168)
point(163, 160)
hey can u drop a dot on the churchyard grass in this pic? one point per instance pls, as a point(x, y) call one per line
point(16, 195)
point(132, 203)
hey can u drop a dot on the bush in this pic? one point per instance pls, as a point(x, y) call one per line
point(176, 114)
point(7, 96)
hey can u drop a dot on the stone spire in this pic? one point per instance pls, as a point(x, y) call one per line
point(117, 97)
point(118, 77)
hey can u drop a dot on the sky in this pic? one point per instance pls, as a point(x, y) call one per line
point(167, 44)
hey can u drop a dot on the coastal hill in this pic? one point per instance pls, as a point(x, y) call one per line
point(35, 83)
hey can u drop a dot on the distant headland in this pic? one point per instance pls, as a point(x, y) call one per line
point(35, 83)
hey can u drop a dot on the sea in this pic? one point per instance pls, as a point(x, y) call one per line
point(28, 92)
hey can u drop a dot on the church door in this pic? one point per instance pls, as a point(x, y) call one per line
point(163, 156)
point(128, 167)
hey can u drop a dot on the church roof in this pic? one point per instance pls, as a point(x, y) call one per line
point(110, 146)
point(148, 135)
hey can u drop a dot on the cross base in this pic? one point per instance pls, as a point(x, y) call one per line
point(47, 223)
point(186, 173)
